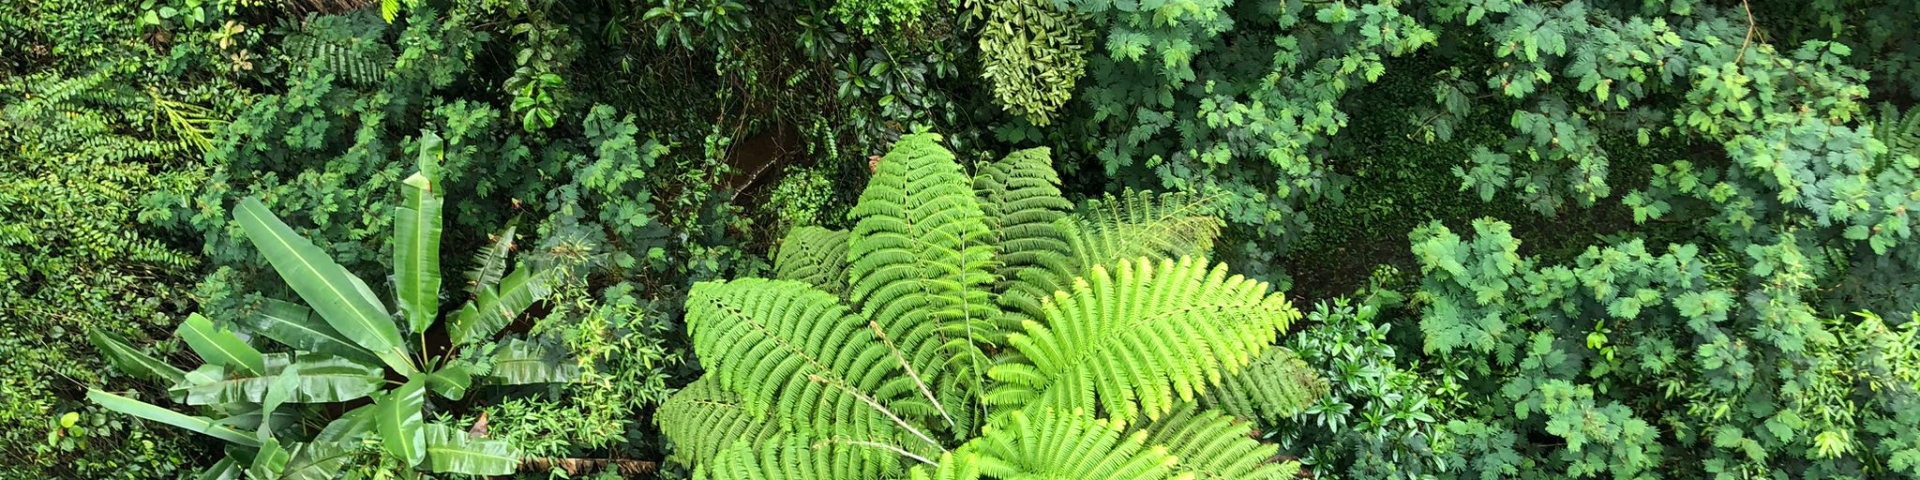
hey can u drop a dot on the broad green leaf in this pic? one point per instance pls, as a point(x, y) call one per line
point(320, 379)
point(225, 469)
point(494, 308)
point(295, 325)
point(350, 427)
point(220, 347)
point(326, 287)
point(399, 420)
point(317, 461)
point(491, 263)
point(269, 462)
point(416, 249)
point(451, 381)
point(132, 361)
point(520, 363)
point(153, 412)
point(449, 450)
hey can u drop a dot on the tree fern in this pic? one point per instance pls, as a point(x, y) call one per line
point(789, 457)
point(1020, 195)
point(704, 419)
point(1062, 445)
point(1129, 343)
point(920, 259)
point(794, 351)
point(1276, 386)
point(1213, 445)
point(1136, 224)
point(815, 256)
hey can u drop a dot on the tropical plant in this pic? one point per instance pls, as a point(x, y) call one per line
point(336, 345)
point(977, 327)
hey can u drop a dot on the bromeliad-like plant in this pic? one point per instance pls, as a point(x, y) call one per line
point(336, 345)
point(975, 327)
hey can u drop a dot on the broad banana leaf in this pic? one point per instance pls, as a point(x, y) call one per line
point(452, 380)
point(317, 461)
point(296, 326)
point(494, 308)
point(225, 469)
point(416, 249)
point(520, 363)
point(398, 417)
point(451, 450)
point(321, 379)
point(350, 427)
point(153, 412)
point(269, 462)
point(491, 263)
point(132, 361)
point(220, 347)
point(340, 298)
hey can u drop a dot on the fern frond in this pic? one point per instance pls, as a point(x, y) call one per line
point(1128, 343)
point(1020, 195)
point(792, 350)
point(1900, 133)
point(703, 419)
point(816, 256)
point(921, 261)
point(1141, 224)
point(1051, 444)
point(1275, 387)
point(797, 458)
point(1213, 445)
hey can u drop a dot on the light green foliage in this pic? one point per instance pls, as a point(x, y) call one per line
point(246, 388)
point(815, 256)
point(1031, 54)
point(800, 385)
point(1588, 352)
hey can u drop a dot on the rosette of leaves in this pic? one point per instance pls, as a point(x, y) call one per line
point(975, 327)
point(344, 345)
point(1032, 54)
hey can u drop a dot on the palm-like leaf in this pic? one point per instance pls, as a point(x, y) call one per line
point(519, 362)
point(132, 360)
point(495, 307)
point(340, 298)
point(814, 255)
point(153, 412)
point(220, 347)
point(398, 417)
point(317, 461)
point(1130, 343)
point(320, 379)
point(491, 263)
point(450, 450)
point(296, 326)
point(416, 249)
point(921, 259)
point(794, 351)
point(704, 419)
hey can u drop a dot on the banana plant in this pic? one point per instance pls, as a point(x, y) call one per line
point(344, 345)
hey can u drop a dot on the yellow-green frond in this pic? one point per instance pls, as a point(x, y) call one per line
point(1275, 387)
point(921, 265)
point(704, 419)
point(1051, 444)
point(816, 256)
point(1137, 340)
point(1213, 445)
point(798, 458)
point(793, 351)
point(1141, 224)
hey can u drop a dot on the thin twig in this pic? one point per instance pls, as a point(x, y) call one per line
point(1750, 28)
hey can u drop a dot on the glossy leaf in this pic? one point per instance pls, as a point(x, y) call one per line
point(451, 450)
point(399, 420)
point(220, 347)
point(416, 248)
point(153, 412)
point(131, 360)
point(338, 296)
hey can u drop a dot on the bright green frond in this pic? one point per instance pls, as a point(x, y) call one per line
point(921, 265)
point(704, 419)
point(1049, 444)
point(949, 466)
point(495, 307)
point(1275, 387)
point(1141, 224)
point(1138, 340)
point(792, 350)
point(796, 458)
point(1213, 445)
point(1020, 195)
point(814, 255)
